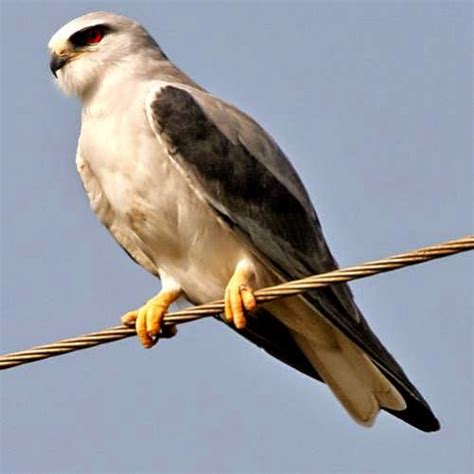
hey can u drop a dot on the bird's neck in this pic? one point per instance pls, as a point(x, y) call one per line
point(123, 80)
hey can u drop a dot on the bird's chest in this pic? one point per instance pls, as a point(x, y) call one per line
point(130, 165)
point(144, 189)
point(153, 205)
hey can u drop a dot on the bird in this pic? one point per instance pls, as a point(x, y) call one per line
point(200, 195)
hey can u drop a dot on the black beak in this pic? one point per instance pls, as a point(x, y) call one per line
point(57, 62)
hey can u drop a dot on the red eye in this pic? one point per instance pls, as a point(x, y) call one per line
point(93, 36)
point(88, 36)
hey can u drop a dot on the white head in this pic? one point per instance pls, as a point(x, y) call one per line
point(84, 49)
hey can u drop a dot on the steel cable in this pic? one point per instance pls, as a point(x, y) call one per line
point(263, 295)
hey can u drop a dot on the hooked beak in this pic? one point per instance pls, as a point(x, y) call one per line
point(57, 62)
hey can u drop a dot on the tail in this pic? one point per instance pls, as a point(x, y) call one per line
point(361, 388)
point(341, 367)
point(353, 378)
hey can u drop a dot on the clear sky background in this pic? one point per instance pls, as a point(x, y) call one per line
point(372, 101)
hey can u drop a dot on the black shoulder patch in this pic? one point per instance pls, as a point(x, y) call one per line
point(229, 173)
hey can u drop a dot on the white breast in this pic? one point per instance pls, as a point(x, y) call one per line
point(152, 210)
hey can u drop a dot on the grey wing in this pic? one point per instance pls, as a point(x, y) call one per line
point(248, 181)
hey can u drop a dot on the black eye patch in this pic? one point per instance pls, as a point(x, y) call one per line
point(90, 35)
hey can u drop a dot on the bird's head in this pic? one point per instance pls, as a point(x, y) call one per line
point(83, 50)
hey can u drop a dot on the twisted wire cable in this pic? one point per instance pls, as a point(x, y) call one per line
point(263, 295)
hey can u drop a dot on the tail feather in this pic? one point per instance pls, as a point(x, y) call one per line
point(386, 394)
point(357, 382)
point(339, 375)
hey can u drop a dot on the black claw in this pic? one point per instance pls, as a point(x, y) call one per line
point(168, 331)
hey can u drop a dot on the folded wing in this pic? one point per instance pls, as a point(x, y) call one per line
point(249, 183)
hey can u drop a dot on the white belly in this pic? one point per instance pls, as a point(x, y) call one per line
point(154, 210)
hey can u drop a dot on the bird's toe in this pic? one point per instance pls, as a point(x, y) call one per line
point(239, 299)
point(154, 317)
point(141, 327)
point(129, 318)
point(148, 320)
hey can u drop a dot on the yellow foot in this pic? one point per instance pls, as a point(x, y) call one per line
point(239, 297)
point(149, 317)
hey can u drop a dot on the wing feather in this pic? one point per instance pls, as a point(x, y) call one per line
point(249, 183)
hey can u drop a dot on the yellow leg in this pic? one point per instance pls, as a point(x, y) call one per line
point(239, 296)
point(149, 317)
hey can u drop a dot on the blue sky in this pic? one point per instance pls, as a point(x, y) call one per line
point(372, 102)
